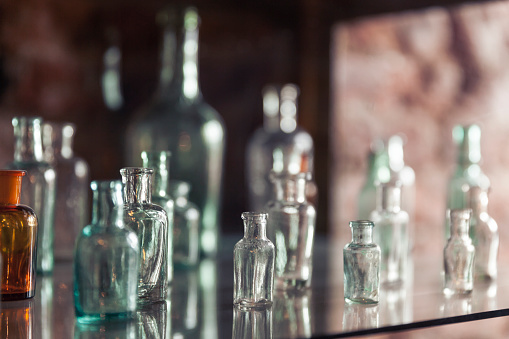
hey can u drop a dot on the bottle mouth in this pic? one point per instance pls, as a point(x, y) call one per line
point(254, 216)
point(362, 223)
point(274, 176)
point(13, 173)
point(136, 171)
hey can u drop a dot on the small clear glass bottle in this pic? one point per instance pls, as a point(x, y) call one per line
point(459, 255)
point(72, 186)
point(106, 260)
point(150, 222)
point(253, 261)
point(39, 191)
point(186, 251)
point(391, 233)
point(291, 229)
point(361, 265)
point(484, 235)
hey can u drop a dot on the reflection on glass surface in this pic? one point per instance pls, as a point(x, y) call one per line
point(16, 319)
point(360, 316)
point(253, 324)
point(107, 330)
point(153, 320)
point(44, 308)
point(292, 314)
point(484, 296)
point(456, 304)
point(208, 305)
point(184, 301)
point(396, 306)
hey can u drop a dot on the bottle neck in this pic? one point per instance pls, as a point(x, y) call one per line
point(168, 60)
point(255, 228)
point(388, 198)
point(460, 223)
point(290, 189)
point(288, 108)
point(362, 234)
point(102, 206)
point(478, 200)
point(468, 139)
point(160, 163)
point(28, 139)
point(10, 186)
point(111, 79)
point(179, 190)
point(58, 140)
point(270, 109)
point(137, 186)
point(395, 151)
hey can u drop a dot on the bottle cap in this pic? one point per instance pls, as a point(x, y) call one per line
point(10, 186)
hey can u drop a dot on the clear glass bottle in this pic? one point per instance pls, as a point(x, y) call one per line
point(186, 226)
point(292, 314)
point(279, 145)
point(253, 261)
point(291, 229)
point(18, 237)
point(361, 317)
point(150, 222)
point(459, 255)
point(72, 186)
point(106, 260)
point(179, 120)
point(361, 265)
point(484, 235)
point(252, 324)
point(154, 320)
point(39, 191)
point(391, 233)
point(159, 161)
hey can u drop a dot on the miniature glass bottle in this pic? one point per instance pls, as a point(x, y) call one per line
point(484, 235)
point(150, 222)
point(361, 265)
point(186, 226)
point(72, 186)
point(159, 161)
point(291, 229)
point(253, 261)
point(459, 255)
point(391, 233)
point(106, 260)
point(18, 237)
point(39, 191)
point(179, 120)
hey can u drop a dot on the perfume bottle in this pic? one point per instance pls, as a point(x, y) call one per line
point(291, 229)
point(361, 265)
point(72, 186)
point(106, 260)
point(253, 261)
point(39, 191)
point(18, 237)
point(459, 255)
point(179, 120)
point(150, 222)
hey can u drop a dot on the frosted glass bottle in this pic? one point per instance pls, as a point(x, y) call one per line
point(484, 235)
point(253, 261)
point(291, 229)
point(179, 120)
point(391, 233)
point(72, 186)
point(279, 145)
point(39, 190)
point(150, 222)
point(106, 260)
point(361, 265)
point(459, 255)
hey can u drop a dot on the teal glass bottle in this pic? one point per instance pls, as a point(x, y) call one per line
point(39, 190)
point(106, 261)
point(159, 161)
point(179, 120)
point(150, 222)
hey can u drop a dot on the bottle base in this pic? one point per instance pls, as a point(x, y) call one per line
point(104, 317)
point(246, 305)
point(450, 292)
point(16, 296)
point(363, 301)
point(291, 284)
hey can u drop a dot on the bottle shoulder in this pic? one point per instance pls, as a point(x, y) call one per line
point(354, 247)
point(110, 235)
point(19, 211)
point(148, 210)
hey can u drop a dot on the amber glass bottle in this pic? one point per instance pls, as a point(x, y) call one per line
point(18, 237)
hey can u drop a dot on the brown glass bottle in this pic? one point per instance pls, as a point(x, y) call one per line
point(18, 238)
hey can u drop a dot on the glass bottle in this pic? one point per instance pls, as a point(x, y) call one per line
point(361, 265)
point(253, 261)
point(484, 235)
point(106, 260)
point(17, 319)
point(18, 237)
point(154, 320)
point(252, 324)
point(150, 222)
point(39, 191)
point(292, 314)
point(186, 226)
point(279, 145)
point(159, 161)
point(179, 120)
point(459, 254)
point(72, 186)
point(360, 317)
point(291, 229)
point(391, 233)
point(185, 304)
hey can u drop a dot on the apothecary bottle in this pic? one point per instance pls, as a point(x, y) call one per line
point(106, 260)
point(484, 235)
point(39, 191)
point(291, 228)
point(150, 222)
point(159, 161)
point(18, 238)
point(186, 226)
point(253, 261)
point(391, 233)
point(459, 254)
point(179, 120)
point(361, 265)
point(72, 186)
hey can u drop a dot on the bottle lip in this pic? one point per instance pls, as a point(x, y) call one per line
point(287, 175)
point(136, 170)
point(362, 223)
point(254, 215)
point(461, 213)
point(25, 120)
point(13, 173)
point(104, 184)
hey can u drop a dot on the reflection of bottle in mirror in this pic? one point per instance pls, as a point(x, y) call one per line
point(154, 321)
point(396, 308)
point(292, 314)
point(17, 319)
point(360, 317)
point(44, 308)
point(114, 329)
point(457, 304)
point(184, 304)
point(252, 324)
point(208, 304)
point(484, 297)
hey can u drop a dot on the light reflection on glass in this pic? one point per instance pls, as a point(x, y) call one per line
point(16, 319)
point(153, 320)
point(484, 296)
point(184, 298)
point(44, 307)
point(360, 316)
point(252, 324)
point(208, 305)
point(292, 314)
point(106, 330)
point(456, 304)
